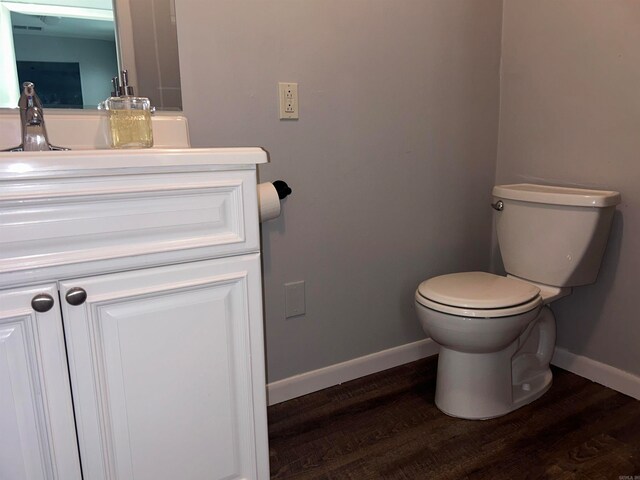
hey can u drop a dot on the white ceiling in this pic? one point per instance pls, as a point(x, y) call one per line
point(100, 4)
point(66, 27)
point(60, 25)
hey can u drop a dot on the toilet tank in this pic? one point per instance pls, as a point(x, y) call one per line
point(553, 235)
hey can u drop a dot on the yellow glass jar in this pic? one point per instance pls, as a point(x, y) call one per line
point(129, 121)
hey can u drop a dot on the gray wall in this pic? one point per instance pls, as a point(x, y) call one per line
point(391, 162)
point(570, 114)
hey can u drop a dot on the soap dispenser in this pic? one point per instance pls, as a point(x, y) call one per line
point(129, 116)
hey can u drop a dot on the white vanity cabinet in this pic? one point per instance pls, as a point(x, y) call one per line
point(37, 431)
point(148, 362)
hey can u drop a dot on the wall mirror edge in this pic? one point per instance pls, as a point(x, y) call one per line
point(125, 54)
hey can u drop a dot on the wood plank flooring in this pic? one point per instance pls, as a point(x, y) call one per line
point(386, 426)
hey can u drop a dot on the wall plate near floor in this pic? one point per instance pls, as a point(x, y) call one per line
point(294, 303)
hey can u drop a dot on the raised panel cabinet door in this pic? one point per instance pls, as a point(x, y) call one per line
point(37, 430)
point(167, 369)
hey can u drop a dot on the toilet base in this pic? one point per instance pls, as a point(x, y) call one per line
point(480, 386)
point(532, 390)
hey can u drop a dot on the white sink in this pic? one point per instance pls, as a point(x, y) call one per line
point(89, 130)
point(88, 137)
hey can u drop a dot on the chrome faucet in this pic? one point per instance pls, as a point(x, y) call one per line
point(34, 131)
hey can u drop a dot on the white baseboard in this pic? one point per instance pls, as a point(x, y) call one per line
point(310, 382)
point(601, 373)
point(315, 380)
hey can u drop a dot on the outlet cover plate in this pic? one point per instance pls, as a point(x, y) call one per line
point(288, 99)
point(294, 302)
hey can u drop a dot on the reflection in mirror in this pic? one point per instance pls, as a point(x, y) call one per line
point(148, 44)
point(68, 49)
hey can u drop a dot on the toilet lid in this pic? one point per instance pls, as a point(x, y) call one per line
point(477, 290)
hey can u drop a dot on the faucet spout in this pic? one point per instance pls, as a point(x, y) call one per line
point(34, 130)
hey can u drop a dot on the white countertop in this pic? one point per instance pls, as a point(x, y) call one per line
point(112, 162)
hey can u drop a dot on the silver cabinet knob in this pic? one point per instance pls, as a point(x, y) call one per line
point(43, 302)
point(76, 296)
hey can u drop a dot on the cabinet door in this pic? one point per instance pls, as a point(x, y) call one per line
point(167, 369)
point(37, 430)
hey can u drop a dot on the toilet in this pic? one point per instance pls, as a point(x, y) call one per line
point(497, 333)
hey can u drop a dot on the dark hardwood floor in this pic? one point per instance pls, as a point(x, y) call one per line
point(386, 426)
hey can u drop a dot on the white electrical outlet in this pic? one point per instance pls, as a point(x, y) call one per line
point(288, 97)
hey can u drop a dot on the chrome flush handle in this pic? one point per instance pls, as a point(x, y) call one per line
point(499, 205)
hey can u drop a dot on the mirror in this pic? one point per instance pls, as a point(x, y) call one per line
point(71, 49)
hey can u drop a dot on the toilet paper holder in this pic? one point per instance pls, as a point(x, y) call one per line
point(282, 188)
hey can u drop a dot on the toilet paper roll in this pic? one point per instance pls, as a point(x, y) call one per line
point(268, 202)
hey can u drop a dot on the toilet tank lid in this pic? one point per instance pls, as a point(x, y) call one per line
point(580, 197)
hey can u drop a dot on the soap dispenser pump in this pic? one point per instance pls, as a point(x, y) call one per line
point(129, 116)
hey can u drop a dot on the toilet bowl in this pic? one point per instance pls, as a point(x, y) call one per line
point(496, 333)
point(482, 323)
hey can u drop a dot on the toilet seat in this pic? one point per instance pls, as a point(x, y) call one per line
point(478, 294)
